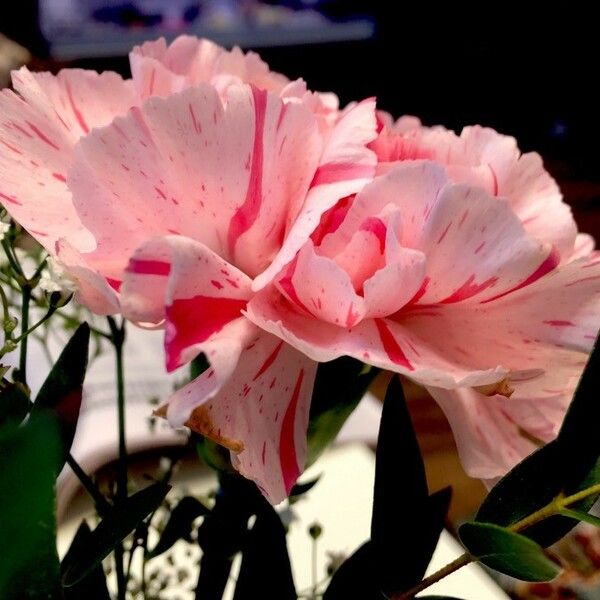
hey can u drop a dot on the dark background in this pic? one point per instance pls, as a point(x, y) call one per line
point(535, 78)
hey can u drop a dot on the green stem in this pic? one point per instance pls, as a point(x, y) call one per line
point(455, 565)
point(24, 335)
point(102, 504)
point(14, 263)
point(558, 506)
point(26, 291)
point(118, 339)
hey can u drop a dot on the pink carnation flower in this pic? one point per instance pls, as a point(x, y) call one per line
point(270, 231)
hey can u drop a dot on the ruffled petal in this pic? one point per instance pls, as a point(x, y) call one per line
point(346, 165)
point(187, 165)
point(260, 414)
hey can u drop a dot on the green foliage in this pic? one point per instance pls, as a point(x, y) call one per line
point(14, 402)
point(62, 391)
point(29, 461)
point(402, 510)
point(508, 552)
point(339, 386)
point(93, 585)
point(568, 464)
point(116, 525)
point(179, 525)
point(265, 571)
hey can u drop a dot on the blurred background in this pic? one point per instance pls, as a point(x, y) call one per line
point(531, 78)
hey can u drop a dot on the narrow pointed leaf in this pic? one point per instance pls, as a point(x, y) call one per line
point(116, 525)
point(179, 525)
point(62, 391)
point(302, 488)
point(581, 516)
point(265, 571)
point(356, 577)
point(93, 586)
point(508, 552)
point(29, 568)
point(402, 507)
point(339, 386)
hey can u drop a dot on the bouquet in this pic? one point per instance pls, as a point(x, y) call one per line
point(290, 250)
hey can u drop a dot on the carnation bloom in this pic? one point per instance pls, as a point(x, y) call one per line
point(270, 232)
point(167, 208)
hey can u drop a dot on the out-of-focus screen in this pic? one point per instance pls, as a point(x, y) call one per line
point(96, 28)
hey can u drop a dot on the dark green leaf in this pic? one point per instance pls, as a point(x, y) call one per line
point(93, 586)
point(508, 552)
point(14, 402)
point(356, 577)
point(569, 464)
point(116, 525)
point(179, 525)
point(339, 386)
point(402, 507)
point(62, 390)
point(222, 533)
point(265, 571)
point(578, 437)
point(29, 568)
point(302, 488)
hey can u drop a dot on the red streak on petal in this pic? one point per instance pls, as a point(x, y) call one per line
point(420, 292)
point(42, 136)
point(441, 238)
point(262, 454)
point(391, 346)
point(152, 78)
point(195, 121)
point(377, 227)
point(270, 360)
point(469, 289)
point(494, 180)
point(115, 284)
point(332, 219)
point(559, 323)
point(592, 278)
point(9, 199)
point(217, 284)
point(549, 264)
point(160, 193)
point(287, 285)
point(336, 172)
point(60, 177)
point(351, 317)
point(15, 150)
point(76, 111)
point(148, 267)
point(247, 213)
point(194, 320)
point(287, 442)
point(478, 249)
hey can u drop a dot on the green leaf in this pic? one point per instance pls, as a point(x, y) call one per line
point(265, 571)
point(567, 465)
point(61, 392)
point(179, 525)
point(508, 552)
point(339, 386)
point(402, 507)
point(302, 488)
point(222, 533)
point(116, 525)
point(14, 402)
point(578, 437)
point(29, 568)
point(356, 577)
point(93, 586)
point(581, 516)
